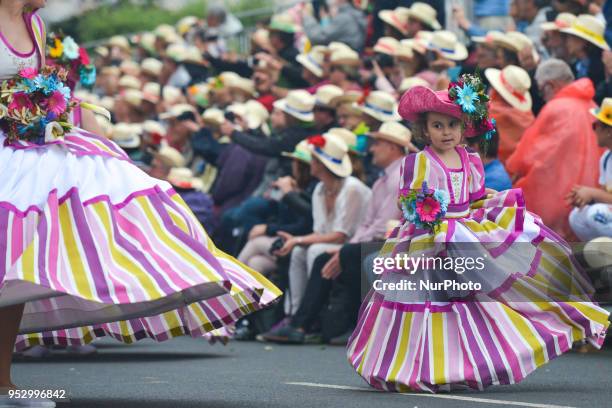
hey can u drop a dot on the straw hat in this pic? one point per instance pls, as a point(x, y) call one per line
point(170, 156)
point(133, 97)
point(517, 41)
point(176, 52)
point(421, 99)
point(129, 67)
point(284, 23)
point(171, 94)
point(597, 252)
point(126, 135)
point(588, 28)
point(213, 116)
point(119, 41)
point(604, 112)
point(185, 24)
point(325, 94)
point(348, 97)
point(102, 51)
point(447, 44)
point(261, 38)
point(381, 106)
point(298, 104)
point(492, 37)
point(344, 56)
point(256, 114)
point(424, 13)
point(182, 177)
point(397, 18)
point(151, 66)
point(153, 127)
point(147, 41)
point(408, 83)
point(151, 92)
point(237, 109)
point(386, 45)
point(129, 81)
point(332, 151)
point(513, 85)
point(349, 137)
point(239, 83)
point(404, 50)
point(106, 125)
point(313, 61)
point(337, 45)
point(163, 30)
point(108, 103)
point(301, 152)
point(563, 20)
point(394, 132)
point(193, 54)
point(177, 110)
point(112, 71)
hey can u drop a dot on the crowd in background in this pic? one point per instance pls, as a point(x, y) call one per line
point(290, 156)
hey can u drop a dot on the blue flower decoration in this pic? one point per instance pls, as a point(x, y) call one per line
point(490, 133)
point(64, 90)
point(46, 84)
point(443, 198)
point(88, 75)
point(466, 97)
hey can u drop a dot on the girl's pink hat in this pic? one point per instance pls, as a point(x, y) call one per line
point(422, 99)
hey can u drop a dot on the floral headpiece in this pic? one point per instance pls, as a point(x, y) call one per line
point(469, 92)
point(64, 52)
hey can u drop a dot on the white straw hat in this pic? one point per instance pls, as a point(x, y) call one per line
point(151, 66)
point(411, 82)
point(153, 127)
point(563, 20)
point(170, 156)
point(349, 137)
point(589, 28)
point(129, 67)
point(394, 132)
point(185, 24)
point(425, 13)
point(126, 135)
point(397, 18)
point(301, 152)
point(513, 84)
point(597, 252)
point(517, 41)
point(133, 97)
point(119, 41)
point(171, 94)
point(447, 43)
point(298, 104)
point(256, 114)
point(404, 50)
point(344, 56)
point(151, 92)
point(313, 61)
point(332, 151)
point(182, 177)
point(326, 93)
point(213, 116)
point(382, 106)
point(129, 81)
point(386, 45)
point(177, 110)
point(492, 37)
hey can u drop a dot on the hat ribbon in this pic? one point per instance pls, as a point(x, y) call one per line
point(377, 109)
point(292, 109)
point(327, 156)
point(518, 95)
point(588, 32)
point(309, 58)
point(397, 21)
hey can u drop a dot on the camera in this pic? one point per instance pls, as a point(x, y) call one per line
point(276, 245)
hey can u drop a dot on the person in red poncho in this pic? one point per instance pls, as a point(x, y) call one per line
point(559, 150)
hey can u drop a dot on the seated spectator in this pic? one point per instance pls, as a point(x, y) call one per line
point(396, 22)
point(422, 17)
point(341, 266)
point(338, 202)
point(592, 215)
point(324, 114)
point(510, 106)
point(343, 69)
point(552, 39)
point(291, 191)
point(496, 176)
point(356, 152)
point(347, 25)
point(559, 149)
point(127, 136)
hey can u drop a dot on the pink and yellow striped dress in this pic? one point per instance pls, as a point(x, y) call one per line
point(535, 301)
point(94, 247)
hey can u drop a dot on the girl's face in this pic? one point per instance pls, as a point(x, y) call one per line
point(443, 131)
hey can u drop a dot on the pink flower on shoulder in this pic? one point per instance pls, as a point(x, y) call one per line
point(28, 73)
point(20, 100)
point(428, 209)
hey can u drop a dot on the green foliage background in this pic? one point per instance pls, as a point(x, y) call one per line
point(125, 18)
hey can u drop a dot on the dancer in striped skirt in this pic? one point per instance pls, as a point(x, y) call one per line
point(90, 245)
point(532, 301)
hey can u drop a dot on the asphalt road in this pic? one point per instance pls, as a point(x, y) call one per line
point(189, 373)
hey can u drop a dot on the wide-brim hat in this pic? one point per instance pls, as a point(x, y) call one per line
point(301, 153)
point(349, 137)
point(517, 41)
point(411, 82)
point(347, 97)
point(563, 20)
point(381, 106)
point(177, 110)
point(333, 154)
point(170, 156)
point(312, 62)
point(513, 84)
point(325, 94)
point(492, 38)
point(604, 112)
point(151, 92)
point(421, 99)
point(399, 21)
point(130, 81)
point(394, 132)
point(598, 252)
point(589, 28)
point(283, 23)
point(151, 66)
point(386, 45)
point(424, 13)
point(447, 44)
point(182, 177)
point(256, 114)
point(344, 57)
point(213, 116)
point(126, 135)
point(298, 104)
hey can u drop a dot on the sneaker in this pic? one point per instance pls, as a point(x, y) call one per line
point(313, 338)
point(84, 350)
point(37, 352)
point(342, 339)
point(285, 334)
point(282, 323)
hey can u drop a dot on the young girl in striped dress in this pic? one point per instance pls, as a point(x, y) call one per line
point(532, 304)
point(91, 246)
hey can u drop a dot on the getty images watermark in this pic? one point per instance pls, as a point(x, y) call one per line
point(410, 265)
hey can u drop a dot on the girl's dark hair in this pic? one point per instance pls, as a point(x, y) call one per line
point(418, 129)
point(487, 148)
